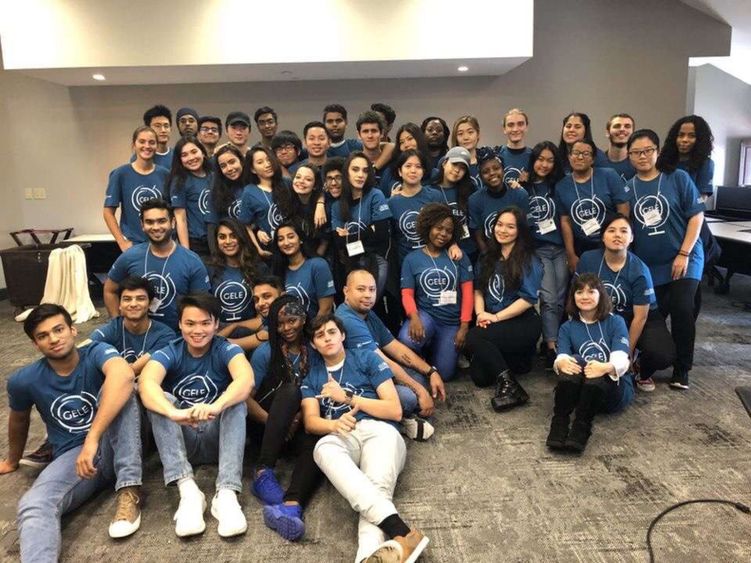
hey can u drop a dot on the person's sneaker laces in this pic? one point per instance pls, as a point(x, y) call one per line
point(189, 516)
point(267, 488)
point(128, 513)
point(647, 384)
point(679, 380)
point(39, 458)
point(285, 519)
point(226, 509)
point(417, 428)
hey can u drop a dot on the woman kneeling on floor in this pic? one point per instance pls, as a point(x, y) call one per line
point(592, 363)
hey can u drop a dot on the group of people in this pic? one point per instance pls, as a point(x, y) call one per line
point(313, 296)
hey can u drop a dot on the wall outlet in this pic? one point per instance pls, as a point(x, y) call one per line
point(28, 193)
point(40, 193)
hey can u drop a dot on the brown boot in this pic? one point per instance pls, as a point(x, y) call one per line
point(128, 513)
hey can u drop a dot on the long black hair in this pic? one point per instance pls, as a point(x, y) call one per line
point(249, 259)
point(345, 200)
point(518, 261)
point(281, 192)
point(305, 213)
point(279, 260)
point(555, 174)
point(178, 173)
point(222, 190)
point(464, 187)
point(280, 369)
point(699, 154)
point(563, 148)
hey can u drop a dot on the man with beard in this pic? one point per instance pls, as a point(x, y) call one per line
point(436, 134)
point(187, 122)
point(133, 333)
point(266, 121)
point(85, 398)
point(514, 154)
point(172, 269)
point(619, 129)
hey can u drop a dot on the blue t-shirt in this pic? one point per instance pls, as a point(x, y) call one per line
point(193, 381)
point(160, 159)
point(195, 198)
point(261, 362)
point(67, 404)
point(595, 342)
point(449, 197)
point(232, 211)
point(309, 283)
point(128, 189)
point(542, 209)
point(590, 200)
point(369, 333)
point(498, 297)
point(430, 277)
point(515, 162)
point(404, 211)
point(665, 204)
point(258, 208)
point(623, 168)
point(179, 274)
point(630, 286)
point(234, 293)
point(133, 346)
point(485, 205)
point(703, 178)
point(344, 147)
point(361, 373)
point(388, 181)
point(371, 207)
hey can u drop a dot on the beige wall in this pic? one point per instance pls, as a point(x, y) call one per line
point(597, 56)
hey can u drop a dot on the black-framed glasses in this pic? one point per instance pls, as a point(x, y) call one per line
point(644, 152)
point(581, 154)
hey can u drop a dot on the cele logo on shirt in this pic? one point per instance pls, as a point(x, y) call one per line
point(299, 292)
point(435, 281)
point(594, 351)
point(497, 287)
point(164, 288)
point(354, 227)
point(234, 298)
point(274, 216)
point(74, 413)
point(234, 209)
point(617, 295)
point(510, 174)
point(142, 194)
point(196, 389)
point(408, 226)
point(588, 208)
point(203, 201)
point(490, 224)
point(541, 208)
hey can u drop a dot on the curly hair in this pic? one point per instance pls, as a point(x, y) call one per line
point(519, 259)
point(699, 154)
point(433, 214)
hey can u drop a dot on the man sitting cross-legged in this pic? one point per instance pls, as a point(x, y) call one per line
point(85, 398)
point(195, 391)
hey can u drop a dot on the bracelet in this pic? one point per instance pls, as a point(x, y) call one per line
point(683, 253)
point(432, 370)
point(320, 203)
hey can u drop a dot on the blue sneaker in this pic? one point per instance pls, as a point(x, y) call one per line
point(267, 488)
point(285, 519)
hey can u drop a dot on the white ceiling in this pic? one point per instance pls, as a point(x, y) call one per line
point(737, 14)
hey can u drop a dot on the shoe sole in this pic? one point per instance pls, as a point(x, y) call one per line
point(196, 531)
point(679, 386)
point(285, 526)
point(32, 463)
point(555, 445)
point(503, 408)
point(228, 534)
point(645, 389)
point(418, 550)
point(136, 526)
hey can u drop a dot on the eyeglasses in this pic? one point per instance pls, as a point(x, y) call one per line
point(581, 154)
point(286, 148)
point(209, 130)
point(334, 180)
point(645, 152)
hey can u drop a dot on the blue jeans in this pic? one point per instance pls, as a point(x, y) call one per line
point(439, 339)
point(220, 440)
point(553, 288)
point(59, 490)
point(407, 397)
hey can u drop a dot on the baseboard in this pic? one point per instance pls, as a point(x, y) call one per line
point(3, 293)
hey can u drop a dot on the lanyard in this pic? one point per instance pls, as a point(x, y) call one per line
point(456, 270)
point(617, 274)
point(659, 184)
point(591, 185)
point(164, 266)
point(145, 337)
point(602, 336)
point(330, 407)
point(359, 216)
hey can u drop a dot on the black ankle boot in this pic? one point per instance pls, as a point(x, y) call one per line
point(590, 401)
point(508, 393)
point(579, 435)
point(558, 432)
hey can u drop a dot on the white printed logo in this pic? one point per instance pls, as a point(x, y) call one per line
point(588, 208)
point(354, 227)
point(142, 194)
point(594, 351)
point(435, 281)
point(234, 210)
point(74, 412)
point(129, 355)
point(510, 174)
point(617, 295)
point(408, 227)
point(490, 224)
point(274, 216)
point(196, 389)
point(203, 201)
point(164, 288)
point(497, 287)
point(651, 207)
point(541, 208)
point(234, 298)
point(299, 292)
point(334, 409)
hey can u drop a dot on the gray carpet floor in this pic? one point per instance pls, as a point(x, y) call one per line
point(485, 488)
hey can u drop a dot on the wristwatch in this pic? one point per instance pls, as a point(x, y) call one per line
point(349, 394)
point(431, 371)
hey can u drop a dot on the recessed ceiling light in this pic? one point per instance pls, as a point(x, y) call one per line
point(463, 68)
point(99, 77)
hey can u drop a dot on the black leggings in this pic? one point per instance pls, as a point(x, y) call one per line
point(655, 345)
point(282, 406)
point(676, 299)
point(503, 345)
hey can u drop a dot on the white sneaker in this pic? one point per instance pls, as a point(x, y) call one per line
point(189, 516)
point(226, 509)
point(417, 428)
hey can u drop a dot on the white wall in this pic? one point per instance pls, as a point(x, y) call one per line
point(597, 56)
point(725, 102)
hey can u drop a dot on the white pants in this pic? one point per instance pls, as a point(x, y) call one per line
point(364, 466)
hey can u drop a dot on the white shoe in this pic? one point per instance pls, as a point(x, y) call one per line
point(462, 362)
point(417, 428)
point(227, 511)
point(189, 516)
